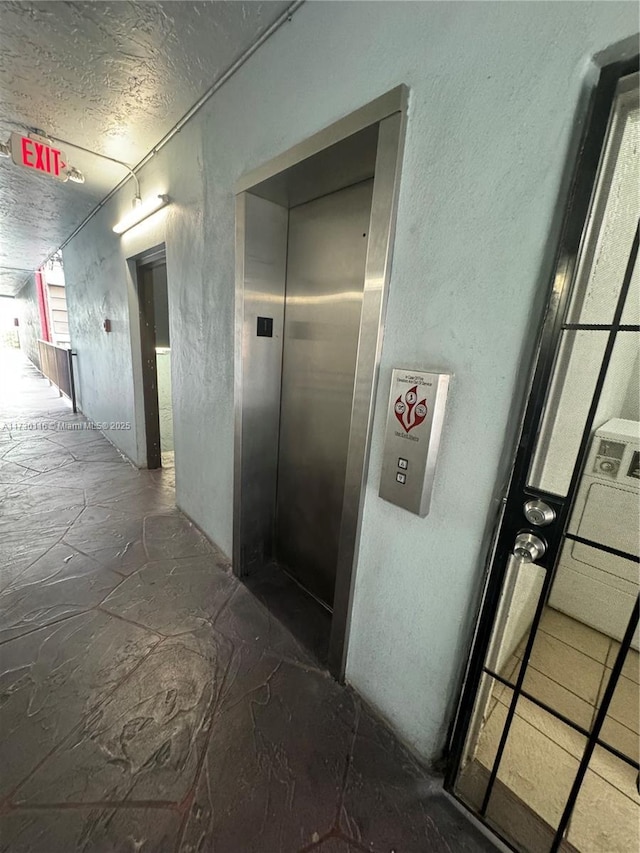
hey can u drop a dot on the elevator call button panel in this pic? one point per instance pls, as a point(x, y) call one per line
point(414, 424)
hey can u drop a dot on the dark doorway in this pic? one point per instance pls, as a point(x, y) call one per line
point(156, 361)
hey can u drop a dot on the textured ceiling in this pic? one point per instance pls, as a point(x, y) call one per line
point(112, 77)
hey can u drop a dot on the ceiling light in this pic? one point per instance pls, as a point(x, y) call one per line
point(140, 211)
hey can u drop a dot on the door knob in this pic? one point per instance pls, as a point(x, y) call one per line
point(528, 547)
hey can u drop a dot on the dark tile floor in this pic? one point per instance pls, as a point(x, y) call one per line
point(149, 702)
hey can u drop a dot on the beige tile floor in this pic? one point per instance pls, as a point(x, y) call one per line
point(569, 669)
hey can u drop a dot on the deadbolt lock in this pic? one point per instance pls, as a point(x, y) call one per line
point(528, 547)
point(539, 513)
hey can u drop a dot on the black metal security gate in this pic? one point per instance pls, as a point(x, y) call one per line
point(532, 738)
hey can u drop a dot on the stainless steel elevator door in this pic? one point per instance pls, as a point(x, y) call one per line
point(325, 279)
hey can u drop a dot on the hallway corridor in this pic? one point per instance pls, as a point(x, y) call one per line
point(148, 702)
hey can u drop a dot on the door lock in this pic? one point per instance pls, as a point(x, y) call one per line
point(539, 513)
point(528, 547)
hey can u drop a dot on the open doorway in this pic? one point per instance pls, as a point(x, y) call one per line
point(156, 361)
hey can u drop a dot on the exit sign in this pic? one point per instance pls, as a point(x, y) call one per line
point(36, 154)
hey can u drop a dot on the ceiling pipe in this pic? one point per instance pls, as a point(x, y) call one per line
point(68, 144)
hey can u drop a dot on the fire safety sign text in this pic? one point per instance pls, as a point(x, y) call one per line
point(38, 155)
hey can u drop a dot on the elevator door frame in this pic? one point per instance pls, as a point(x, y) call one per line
point(267, 185)
point(510, 518)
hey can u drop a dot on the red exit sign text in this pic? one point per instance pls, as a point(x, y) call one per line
point(36, 154)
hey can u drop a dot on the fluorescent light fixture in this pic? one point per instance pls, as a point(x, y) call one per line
point(140, 211)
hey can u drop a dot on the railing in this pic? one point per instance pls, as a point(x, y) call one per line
point(56, 363)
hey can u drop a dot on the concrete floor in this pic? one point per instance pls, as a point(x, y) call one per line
point(148, 701)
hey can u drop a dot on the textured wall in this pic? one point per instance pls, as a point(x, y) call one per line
point(494, 89)
point(163, 362)
point(97, 290)
point(27, 312)
point(8, 330)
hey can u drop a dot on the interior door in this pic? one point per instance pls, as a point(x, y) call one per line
point(323, 303)
point(545, 749)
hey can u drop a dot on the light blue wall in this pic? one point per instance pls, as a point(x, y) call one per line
point(494, 90)
point(97, 290)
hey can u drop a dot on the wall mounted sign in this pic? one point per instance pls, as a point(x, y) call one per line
point(38, 155)
point(412, 438)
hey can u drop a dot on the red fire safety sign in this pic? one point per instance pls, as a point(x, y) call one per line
point(36, 154)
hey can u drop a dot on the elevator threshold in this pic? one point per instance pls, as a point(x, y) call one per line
point(308, 619)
